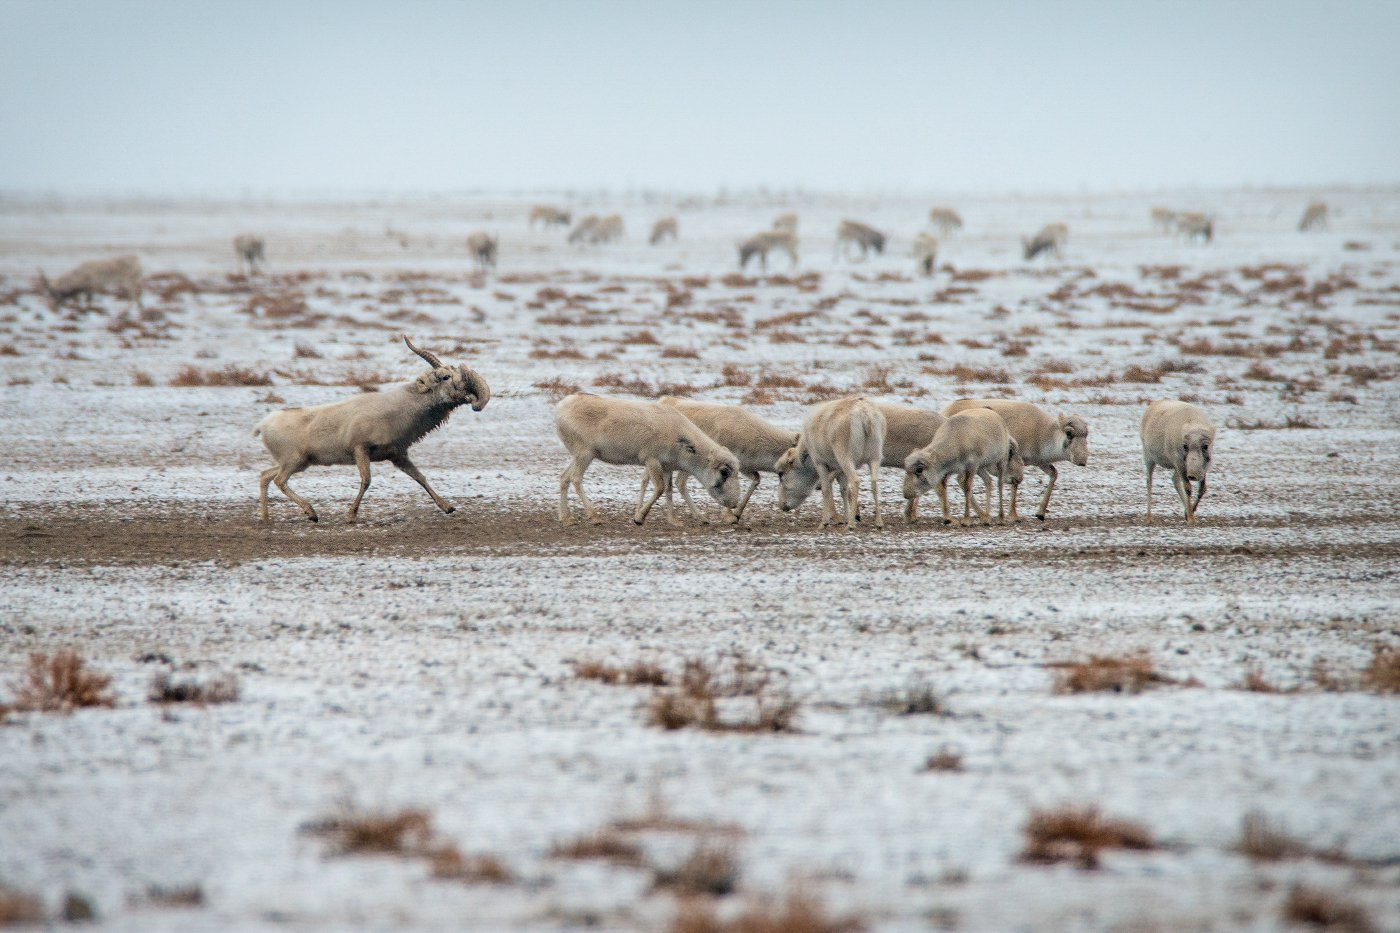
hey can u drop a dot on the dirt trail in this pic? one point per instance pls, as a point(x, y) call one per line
point(169, 533)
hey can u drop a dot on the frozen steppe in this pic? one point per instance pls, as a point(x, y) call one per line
point(423, 660)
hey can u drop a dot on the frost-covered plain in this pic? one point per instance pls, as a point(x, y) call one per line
point(425, 660)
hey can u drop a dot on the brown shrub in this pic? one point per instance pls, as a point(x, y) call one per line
point(709, 870)
point(60, 683)
point(1255, 682)
point(8, 349)
point(758, 397)
point(1326, 910)
point(693, 703)
point(19, 907)
point(1263, 373)
point(605, 845)
point(945, 759)
point(447, 863)
point(633, 384)
point(166, 689)
point(778, 381)
point(356, 832)
point(1135, 373)
point(1383, 673)
point(733, 375)
point(796, 913)
point(1263, 841)
point(1079, 834)
point(142, 379)
point(639, 338)
point(557, 388)
point(916, 699)
point(680, 353)
point(638, 673)
point(1128, 674)
point(1055, 366)
point(193, 377)
point(305, 351)
point(785, 336)
point(563, 353)
point(986, 374)
point(176, 897)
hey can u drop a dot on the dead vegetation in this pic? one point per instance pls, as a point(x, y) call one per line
point(1294, 422)
point(447, 863)
point(638, 673)
point(19, 907)
point(1131, 673)
point(193, 377)
point(1326, 910)
point(60, 683)
point(1078, 834)
point(945, 759)
point(710, 869)
point(918, 698)
point(1382, 675)
point(557, 388)
point(166, 689)
point(353, 831)
point(606, 845)
point(405, 833)
point(175, 897)
point(701, 698)
point(796, 912)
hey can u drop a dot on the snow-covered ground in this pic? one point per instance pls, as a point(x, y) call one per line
point(424, 660)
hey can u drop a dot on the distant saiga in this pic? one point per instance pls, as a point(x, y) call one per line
point(250, 251)
point(852, 234)
point(368, 428)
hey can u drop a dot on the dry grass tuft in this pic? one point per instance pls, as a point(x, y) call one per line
point(945, 759)
point(1383, 673)
point(798, 912)
point(357, 832)
point(916, 699)
point(557, 388)
point(184, 896)
point(1326, 910)
point(635, 385)
point(449, 864)
point(1078, 834)
point(142, 379)
point(194, 377)
point(1255, 682)
point(1261, 840)
point(638, 673)
point(606, 845)
point(19, 907)
point(305, 351)
point(733, 375)
point(710, 870)
point(1132, 673)
point(407, 834)
point(563, 353)
point(61, 682)
point(639, 338)
point(680, 353)
point(166, 689)
point(695, 701)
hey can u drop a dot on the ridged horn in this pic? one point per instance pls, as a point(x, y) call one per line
point(433, 361)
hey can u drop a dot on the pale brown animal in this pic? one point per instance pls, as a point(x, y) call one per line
point(368, 428)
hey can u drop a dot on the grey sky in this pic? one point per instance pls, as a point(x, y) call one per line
point(987, 96)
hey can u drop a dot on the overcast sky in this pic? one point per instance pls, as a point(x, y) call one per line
point(1031, 95)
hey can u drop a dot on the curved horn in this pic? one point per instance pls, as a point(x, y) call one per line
point(433, 361)
point(478, 386)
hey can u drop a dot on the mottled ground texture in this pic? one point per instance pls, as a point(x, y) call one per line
point(425, 662)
